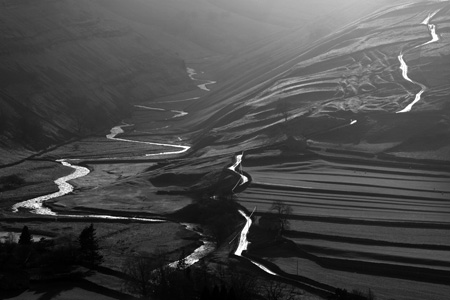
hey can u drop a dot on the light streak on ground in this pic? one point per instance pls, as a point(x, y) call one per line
point(176, 101)
point(179, 113)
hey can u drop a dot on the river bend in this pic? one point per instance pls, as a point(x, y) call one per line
point(404, 66)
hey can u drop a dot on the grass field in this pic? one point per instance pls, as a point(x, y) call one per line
point(360, 226)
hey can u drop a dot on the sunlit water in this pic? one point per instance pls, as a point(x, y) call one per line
point(199, 253)
point(118, 130)
point(404, 66)
point(35, 204)
point(243, 179)
point(243, 244)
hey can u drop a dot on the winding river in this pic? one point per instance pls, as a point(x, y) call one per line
point(35, 205)
point(118, 130)
point(243, 242)
point(404, 66)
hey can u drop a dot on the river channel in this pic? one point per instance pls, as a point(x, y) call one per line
point(36, 205)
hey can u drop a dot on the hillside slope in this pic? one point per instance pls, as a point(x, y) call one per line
point(70, 68)
point(348, 90)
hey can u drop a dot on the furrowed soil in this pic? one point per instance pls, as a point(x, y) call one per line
point(359, 225)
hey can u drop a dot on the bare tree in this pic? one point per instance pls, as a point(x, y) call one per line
point(275, 290)
point(282, 211)
point(139, 271)
point(243, 284)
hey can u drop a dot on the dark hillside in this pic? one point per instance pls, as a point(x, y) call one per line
point(69, 68)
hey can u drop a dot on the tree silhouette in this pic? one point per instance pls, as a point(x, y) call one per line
point(275, 290)
point(89, 248)
point(25, 236)
point(282, 211)
point(140, 274)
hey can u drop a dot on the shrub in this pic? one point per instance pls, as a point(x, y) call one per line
point(11, 182)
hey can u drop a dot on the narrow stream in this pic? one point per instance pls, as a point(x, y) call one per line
point(243, 243)
point(404, 66)
point(191, 72)
point(118, 130)
point(202, 251)
point(243, 179)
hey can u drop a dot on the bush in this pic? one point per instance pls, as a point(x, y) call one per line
point(11, 182)
point(343, 294)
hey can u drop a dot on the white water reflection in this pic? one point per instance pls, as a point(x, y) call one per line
point(35, 204)
point(404, 66)
point(118, 130)
point(199, 253)
point(243, 243)
point(243, 179)
point(108, 217)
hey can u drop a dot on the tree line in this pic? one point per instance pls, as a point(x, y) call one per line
point(47, 258)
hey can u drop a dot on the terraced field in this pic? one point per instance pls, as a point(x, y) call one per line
point(360, 226)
